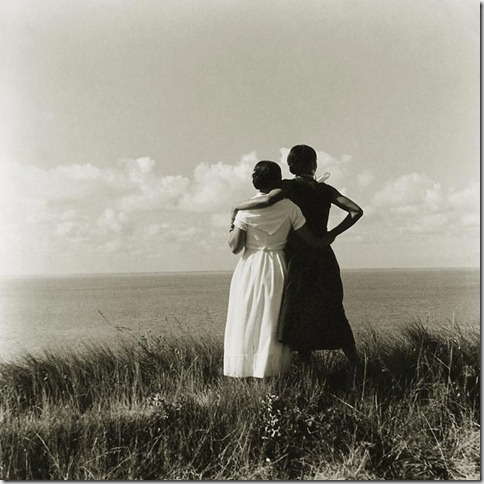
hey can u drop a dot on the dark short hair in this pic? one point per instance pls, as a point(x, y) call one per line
point(302, 160)
point(266, 174)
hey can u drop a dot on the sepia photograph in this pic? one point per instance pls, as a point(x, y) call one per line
point(240, 240)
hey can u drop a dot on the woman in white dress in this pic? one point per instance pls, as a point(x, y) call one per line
point(251, 348)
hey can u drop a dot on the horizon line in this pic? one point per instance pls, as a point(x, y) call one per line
point(67, 274)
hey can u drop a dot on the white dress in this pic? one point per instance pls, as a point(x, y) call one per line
point(250, 345)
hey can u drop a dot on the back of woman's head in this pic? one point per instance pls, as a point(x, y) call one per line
point(302, 160)
point(266, 175)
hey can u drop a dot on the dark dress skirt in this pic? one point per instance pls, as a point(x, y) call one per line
point(312, 313)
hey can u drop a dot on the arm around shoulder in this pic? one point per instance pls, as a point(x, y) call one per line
point(262, 202)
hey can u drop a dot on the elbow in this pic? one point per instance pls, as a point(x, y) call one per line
point(357, 214)
point(234, 248)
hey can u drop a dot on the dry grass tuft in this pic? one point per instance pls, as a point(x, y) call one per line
point(161, 409)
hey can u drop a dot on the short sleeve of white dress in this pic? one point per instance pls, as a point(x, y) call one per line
point(241, 220)
point(297, 217)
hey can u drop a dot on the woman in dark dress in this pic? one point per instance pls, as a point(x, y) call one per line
point(312, 315)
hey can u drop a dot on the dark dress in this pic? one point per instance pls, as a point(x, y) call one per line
point(312, 313)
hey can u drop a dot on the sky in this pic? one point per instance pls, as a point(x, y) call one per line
point(130, 127)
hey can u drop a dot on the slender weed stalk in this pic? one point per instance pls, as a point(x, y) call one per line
point(160, 408)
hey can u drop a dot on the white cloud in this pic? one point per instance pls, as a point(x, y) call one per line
point(414, 203)
point(468, 198)
point(220, 185)
point(113, 220)
point(340, 170)
point(145, 164)
point(156, 193)
point(74, 211)
point(80, 172)
point(130, 215)
point(411, 190)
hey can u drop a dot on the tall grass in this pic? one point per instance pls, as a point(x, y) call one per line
point(161, 409)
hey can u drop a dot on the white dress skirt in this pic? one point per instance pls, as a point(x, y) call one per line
point(251, 348)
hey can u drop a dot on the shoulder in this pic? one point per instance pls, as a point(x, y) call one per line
point(287, 183)
point(286, 204)
point(241, 220)
point(291, 208)
point(326, 186)
point(284, 207)
point(327, 191)
point(242, 214)
point(288, 186)
point(331, 190)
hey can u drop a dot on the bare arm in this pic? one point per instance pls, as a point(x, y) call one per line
point(270, 198)
point(260, 202)
point(354, 212)
point(237, 239)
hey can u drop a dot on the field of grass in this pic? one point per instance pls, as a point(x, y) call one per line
point(161, 409)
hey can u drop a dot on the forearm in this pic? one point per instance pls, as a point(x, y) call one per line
point(261, 202)
point(354, 211)
point(236, 240)
point(346, 223)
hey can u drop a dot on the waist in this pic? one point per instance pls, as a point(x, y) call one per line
point(278, 248)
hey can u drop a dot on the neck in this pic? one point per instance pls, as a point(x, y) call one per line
point(268, 189)
point(308, 175)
